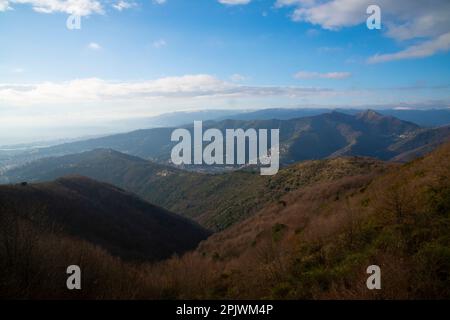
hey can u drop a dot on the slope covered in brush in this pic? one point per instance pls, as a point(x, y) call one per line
point(104, 215)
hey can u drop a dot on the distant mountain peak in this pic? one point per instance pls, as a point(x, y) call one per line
point(370, 115)
point(335, 115)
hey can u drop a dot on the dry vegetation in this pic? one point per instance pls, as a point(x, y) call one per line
point(313, 242)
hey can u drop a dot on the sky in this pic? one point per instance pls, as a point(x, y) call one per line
point(133, 59)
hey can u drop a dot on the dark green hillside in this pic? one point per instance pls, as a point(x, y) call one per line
point(102, 214)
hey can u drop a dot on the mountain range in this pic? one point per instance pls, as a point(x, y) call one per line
point(316, 137)
point(422, 117)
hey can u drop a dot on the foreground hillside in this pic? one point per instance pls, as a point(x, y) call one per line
point(104, 215)
point(216, 201)
point(319, 243)
point(315, 242)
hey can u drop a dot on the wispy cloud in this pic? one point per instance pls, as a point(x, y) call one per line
point(328, 50)
point(312, 32)
point(238, 77)
point(318, 75)
point(94, 89)
point(424, 49)
point(90, 101)
point(234, 2)
point(18, 70)
point(94, 46)
point(419, 20)
point(77, 7)
point(122, 5)
point(158, 44)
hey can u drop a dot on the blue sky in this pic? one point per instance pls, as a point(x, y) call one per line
point(140, 58)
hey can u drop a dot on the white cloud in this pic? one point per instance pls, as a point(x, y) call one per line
point(332, 15)
point(94, 46)
point(326, 49)
point(159, 1)
point(234, 2)
point(18, 70)
point(238, 77)
point(287, 3)
point(4, 5)
point(92, 103)
point(424, 49)
point(122, 5)
point(158, 44)
point(77, 7)
point(312, 32)
point(94, 90)
point(401, 20)
point(31, 109)
point(318, 75)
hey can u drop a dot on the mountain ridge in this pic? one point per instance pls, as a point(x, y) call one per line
point(315, 137)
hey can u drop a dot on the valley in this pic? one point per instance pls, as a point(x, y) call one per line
point(312, 241)
point(214, 200)
point(151, 230)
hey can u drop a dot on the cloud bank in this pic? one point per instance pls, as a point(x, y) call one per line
point(95, 89)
